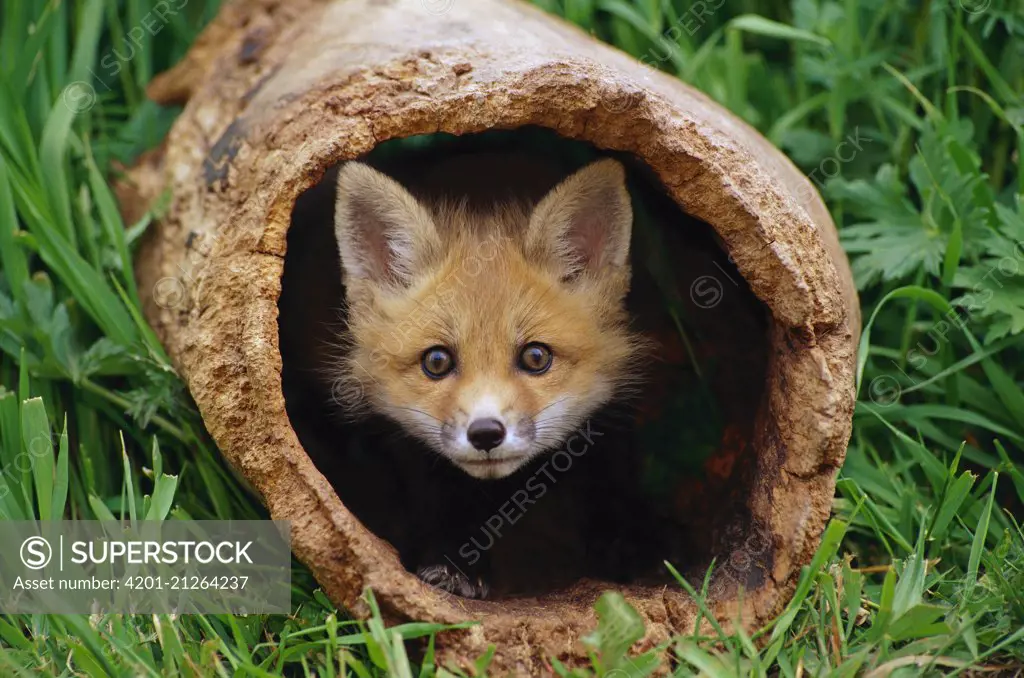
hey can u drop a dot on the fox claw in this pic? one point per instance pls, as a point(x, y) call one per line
point(440, 576)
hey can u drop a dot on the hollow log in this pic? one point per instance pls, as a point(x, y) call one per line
point(277, 92)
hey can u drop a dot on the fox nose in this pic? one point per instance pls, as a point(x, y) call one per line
point(486, 434)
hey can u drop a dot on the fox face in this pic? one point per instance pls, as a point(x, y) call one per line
point(489, 336)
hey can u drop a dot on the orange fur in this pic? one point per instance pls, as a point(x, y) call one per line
point(483, 285)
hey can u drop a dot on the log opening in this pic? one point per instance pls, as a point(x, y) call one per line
point(662, 475)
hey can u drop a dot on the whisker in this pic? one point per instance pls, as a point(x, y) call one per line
point(550, 405)
point(417, 411)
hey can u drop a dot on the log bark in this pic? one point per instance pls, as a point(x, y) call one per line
point(277, 92)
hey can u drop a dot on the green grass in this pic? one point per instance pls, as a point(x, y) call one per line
point(922, 567)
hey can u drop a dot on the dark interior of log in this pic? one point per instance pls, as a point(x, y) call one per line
point(668, 474)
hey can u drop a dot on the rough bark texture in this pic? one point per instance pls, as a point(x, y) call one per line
point(277, 92)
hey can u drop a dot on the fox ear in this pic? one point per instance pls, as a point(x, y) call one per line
point(583, 225)
point(385, 236)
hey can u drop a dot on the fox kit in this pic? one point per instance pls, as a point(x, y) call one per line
point(490, 335)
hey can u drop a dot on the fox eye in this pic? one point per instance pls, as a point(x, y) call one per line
point(535, 358)
point(437, 362)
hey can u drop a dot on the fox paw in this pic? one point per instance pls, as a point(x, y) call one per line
point(453, 581)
